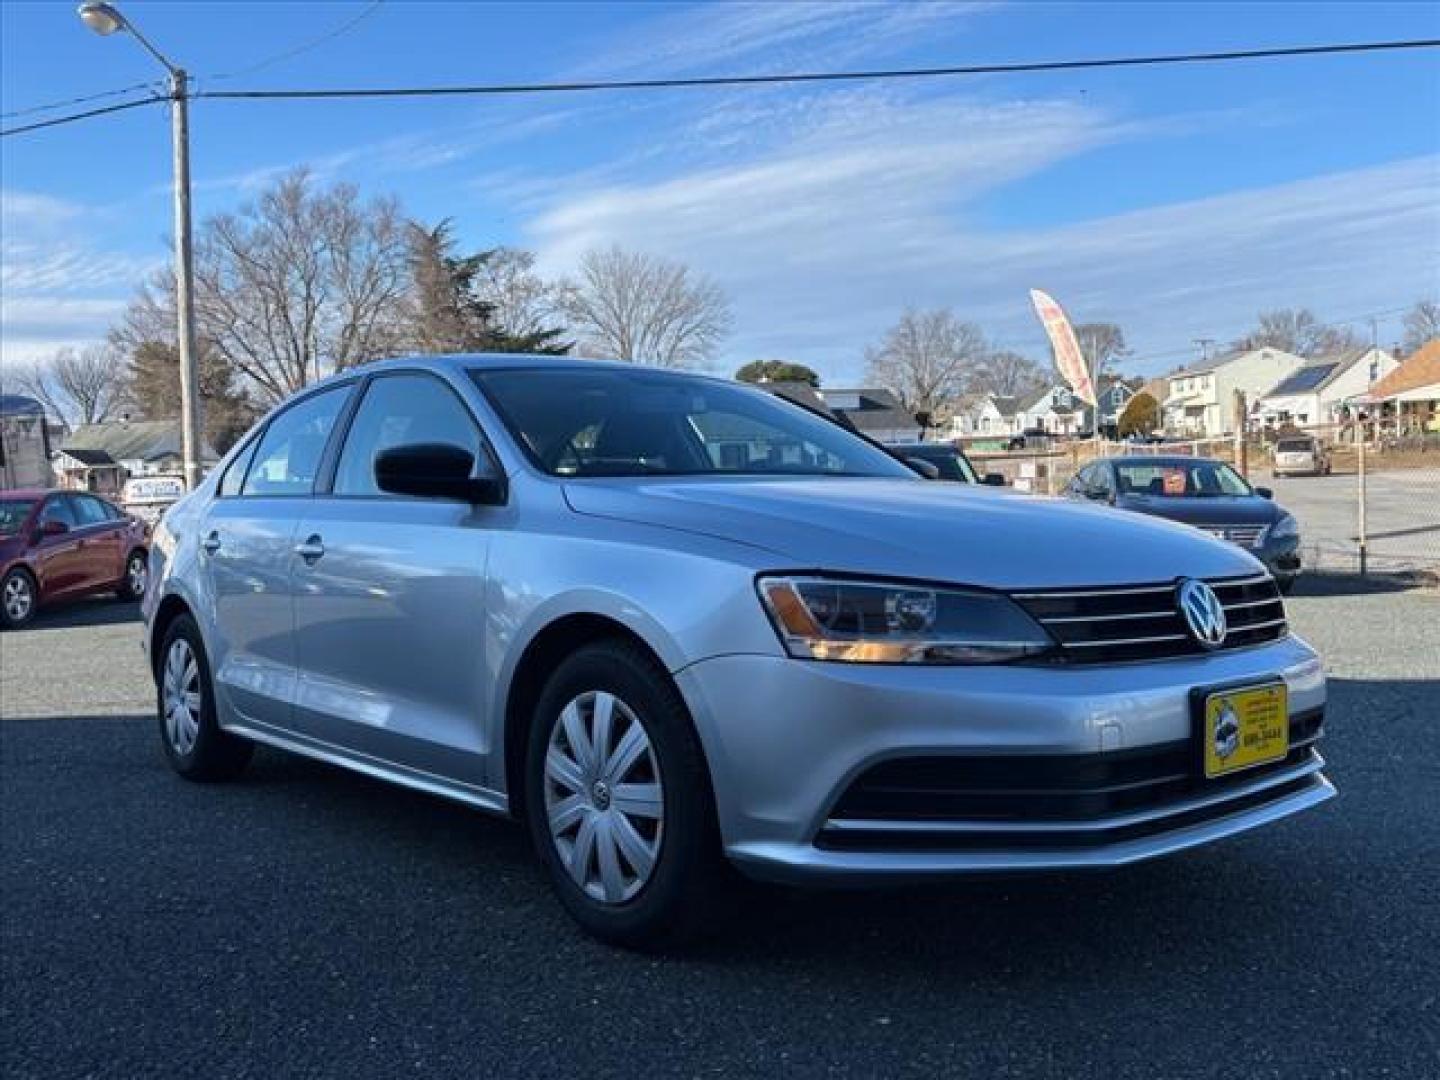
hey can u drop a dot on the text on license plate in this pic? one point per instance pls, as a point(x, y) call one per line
point(1245, 727)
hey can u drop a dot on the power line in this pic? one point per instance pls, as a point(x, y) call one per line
point(769, 80)
point(304, 47)
point(53, 105)
point(73, 117)
point(835, 76)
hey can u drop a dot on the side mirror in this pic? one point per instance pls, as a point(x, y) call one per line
point(436, 471)
point(51, 527)
point(925, 468)
point(993, 479)
point(1265, 493)
point(1097, 494)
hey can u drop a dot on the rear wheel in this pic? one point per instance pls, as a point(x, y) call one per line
point(137, 577)
point(194, 743)
point(618, 799)
point(18, 598)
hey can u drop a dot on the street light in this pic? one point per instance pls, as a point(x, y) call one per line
point(106, 19)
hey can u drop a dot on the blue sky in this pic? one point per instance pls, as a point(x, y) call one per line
point(1177, 202)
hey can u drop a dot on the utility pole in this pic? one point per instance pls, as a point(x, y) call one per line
point(190, 432)
point(105, 19)
point(1204, 343)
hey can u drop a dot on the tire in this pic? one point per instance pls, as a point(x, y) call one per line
point(19, 597)
point(194, 743)
point(137, 577)
point(668, 903)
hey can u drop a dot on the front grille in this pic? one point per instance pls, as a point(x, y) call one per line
point(1098, 796)
point(1248, 536)
point(1143, 622)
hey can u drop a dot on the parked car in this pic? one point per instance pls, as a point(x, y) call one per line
point(148, 497)
point(1300, 455)
point(555, 589)
point(1201, 492)
point(61, 545)
point(949, 461)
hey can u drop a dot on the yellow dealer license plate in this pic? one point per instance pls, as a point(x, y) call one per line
point(1245, 727)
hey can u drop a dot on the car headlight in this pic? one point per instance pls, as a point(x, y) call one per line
point(892, 623)
point(1285, 528)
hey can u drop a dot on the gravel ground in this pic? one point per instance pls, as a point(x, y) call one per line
point(308, 922)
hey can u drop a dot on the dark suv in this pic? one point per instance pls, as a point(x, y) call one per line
point(62, 545)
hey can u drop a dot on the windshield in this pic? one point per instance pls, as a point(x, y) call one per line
point(13, 513)
point(608, 422)
point(953, 465)
point(1179, 480)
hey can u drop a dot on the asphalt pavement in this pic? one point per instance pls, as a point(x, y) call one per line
point(309, 922)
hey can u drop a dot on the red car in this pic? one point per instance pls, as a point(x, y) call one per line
point(65, 544)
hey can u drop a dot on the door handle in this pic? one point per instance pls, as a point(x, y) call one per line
point(211, 543)
point(311, 549)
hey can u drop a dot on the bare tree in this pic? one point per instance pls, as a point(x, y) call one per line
point(1422, 324)
point(1102, 345)
point(631, 306)
point(1007, 374)
point(303, 282)
point(84, 386)
point(1298, 331)
point(927, 359)
point(522, 304)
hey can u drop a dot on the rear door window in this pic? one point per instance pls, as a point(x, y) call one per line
point(287, 461)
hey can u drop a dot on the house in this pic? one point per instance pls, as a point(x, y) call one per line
point(1055, 410)
point(139, 448)
point(876, 413)
point(82, 469)
point(1323, 390)
point(986, 414)
point(1201, 402)
point(1409, 397)
point(1112, 397)
point(24, 443)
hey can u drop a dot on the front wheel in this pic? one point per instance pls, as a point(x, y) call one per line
point(195, 744)
point(618, 799)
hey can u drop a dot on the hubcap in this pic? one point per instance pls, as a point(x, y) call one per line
point(181, 696)
point(17, 597)
point(603, 797)
point(138, 573)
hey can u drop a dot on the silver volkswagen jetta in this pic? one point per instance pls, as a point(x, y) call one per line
point(666, 618)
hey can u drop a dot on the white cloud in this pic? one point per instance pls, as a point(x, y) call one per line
point(58, 287)
point(784, 36)
point(830, 219)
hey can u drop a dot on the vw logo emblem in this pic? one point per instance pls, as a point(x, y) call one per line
point(1203, 612)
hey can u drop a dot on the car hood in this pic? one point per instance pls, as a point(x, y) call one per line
point(919, 529)
point(1222, 510)
point(11, 547)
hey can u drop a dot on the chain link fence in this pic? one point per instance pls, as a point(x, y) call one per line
point(1370, 503)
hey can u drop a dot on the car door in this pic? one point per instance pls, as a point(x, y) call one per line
point(390, 595)
point(59, 557)
point(246, 553)
point(100, 542)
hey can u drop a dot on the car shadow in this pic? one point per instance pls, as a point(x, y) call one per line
point(1173, 912)
point(1343, 583)
point(92, 611)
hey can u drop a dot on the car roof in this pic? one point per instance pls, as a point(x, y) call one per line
point(26, 493)
point(1161, 459)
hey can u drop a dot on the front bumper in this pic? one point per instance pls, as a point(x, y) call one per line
point(786, 741)
point(1281, 557)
